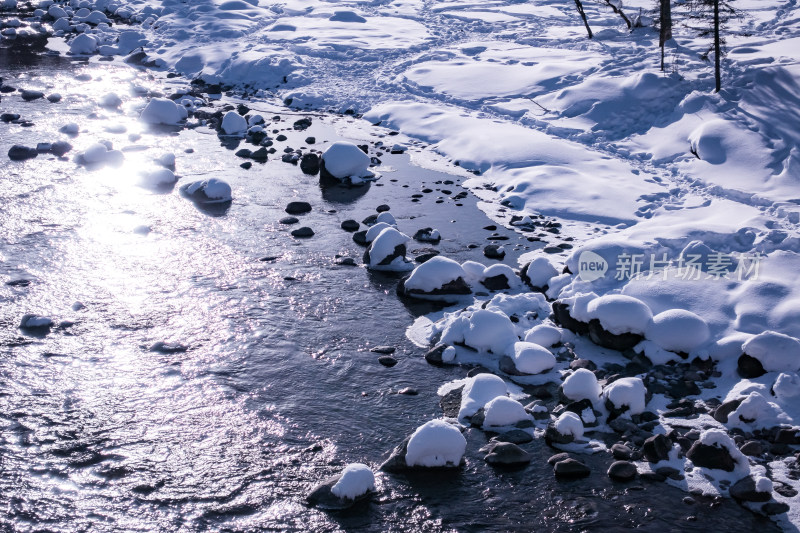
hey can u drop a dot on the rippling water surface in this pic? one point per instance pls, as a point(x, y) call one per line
point(277, 389)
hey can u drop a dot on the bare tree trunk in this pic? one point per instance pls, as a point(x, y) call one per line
point(579, 5)
point(665, 31)
point(619, 12)
point(717, 49)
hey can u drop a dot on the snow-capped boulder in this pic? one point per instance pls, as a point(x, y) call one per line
point(162, 177)
point(163, 111)
point(677, 330)
point(344, 160)
point(626, 395)
point(503, 411)
point(473, 271)
point(375, 230)
point(234, 124)
point(478, 391)
point(755, 411)
point(100, 154)
point(35, 322)
point(342, 491)
point(527, 358)
point(617, 321)
point(543, 335)
point(787, 386)
point(210, 191)
point(571, 313)
point(565, 429)
point(537, 273)
point(388, 252)
point(499, 277)
point(716, 450)
point(433, 444)
point(83, 44)
point(752, 489)
point(110, 100)
point(581, 385)
point(439, 278)
point(429, 235)
point(386, 217)
point(483, 330)
point(769, 352)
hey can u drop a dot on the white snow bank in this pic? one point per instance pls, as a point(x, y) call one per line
point(626, 392)
point(357, 479)
point(344, 159)
point(478, 391)
point(678, 330)
point(435, 443)
point(530, 358)
point(543, 335)
point(163, 111)
point(569, 424)
point(619, 314)
point(503, 411)
point(434, 274)
point(775, 351)
point(581, 384)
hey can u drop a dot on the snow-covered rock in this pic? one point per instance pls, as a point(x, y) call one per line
point(538, 273)
point(346, 160)
point(388, 252)
point(110, 100)
point(775, 352)
point(755, 411)
point(716, 450)
point(620, 314)
point(531, 358)
point(375, 230)
point(500, 277)
point(581, 385)
point(478, 391)
point(543, 335)
point(98, 154)
point(626, 395)
point(439, 278)
point(569, 424)
point(387, 218)
point(787, 386)
point(483, 330)
point(159, 178)
point(35, 322)
point(678, 330)
point(163, 111)
point(83, 44)
point(503, 411)
point(234, 124)
point(357, 479)
point(208, 191)
point(435, 444)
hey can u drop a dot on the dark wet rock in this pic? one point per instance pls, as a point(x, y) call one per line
point(434, 355)
point(787, 436)
point(427, 235)
point(451, 402)
point(59, 148)
point(29, 95)
point(21, 153)
point(387, 361)
point(669, 472)
point(382, 208)
point(752, 448)
point(455, 289)
point(261, 155)
point(493, 251)
point(750, 367)
point(515, 436)
point(773, 508)
point(302, 124)
point(552, 436)
point(507, 366)
point(564, 319)
point(9, 117)
point(722, 412)
point(426, 256)
point(298, 208)
point(309, 164)
point(606, 339)
point(290, 158)
point(408, 391)
point(652, 476)
point(553, 459)
point(247, 165)
point(507, 453)
point(571, 469)
point(244, 152)
point(745, 490)
point(54, 98)
point(360, 237)
point(370, 220)
point(496, 283)
point(784, 490)
point(478, 418)
point(383, 350)
point(350, 225)
point(289, 220)
point(346, 261)
point(622, 470)
point(281, 138)
point(708, 456)
point(168, 347)
point(621, 452)
point(311, 140)
point(322, 497)
point(656, 448)
point(303, 233)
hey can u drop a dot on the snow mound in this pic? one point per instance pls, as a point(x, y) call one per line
point(357, 479)
point(485, 330)
point(209, 191)
point(678, 330)
point(543, 335)
point(110, 100)
point(376, 230)
point(578, 305)
point(787, 386)
point(506, 271)
point(581, 385)
point(756, 411)
point(473, 271)
point(387, 218)
point(569, 423)
point(539, 272)
point(620, 314)
point(234, 124)
point(83, 44)
point(159, 178)
point(530, 358)
point(626, 392)
point(383, 251)
point(503, 411)
point(163, 111)
point(775, 351)
point(711, 141)
point(99, 153)
point(35, 322)
point(478, 391)
point(435, 443)
point(344, 159)
point(434, 274)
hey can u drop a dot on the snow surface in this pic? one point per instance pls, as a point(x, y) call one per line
point(435, 443)
point(357, 479)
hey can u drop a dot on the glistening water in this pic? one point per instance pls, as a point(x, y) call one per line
point(277, 389)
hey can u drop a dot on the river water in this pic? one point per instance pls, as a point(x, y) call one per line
point(277, 389)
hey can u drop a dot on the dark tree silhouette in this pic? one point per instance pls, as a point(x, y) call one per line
point(664, 26)
point(715, 15)
point(579, 5)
